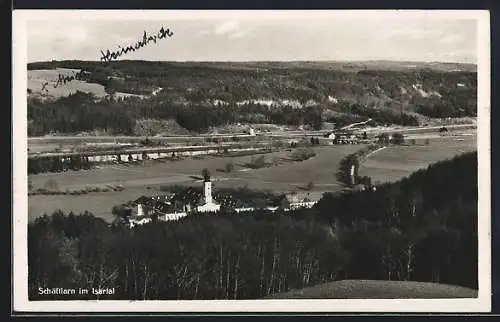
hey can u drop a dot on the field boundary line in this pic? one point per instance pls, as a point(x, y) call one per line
point(373, 152)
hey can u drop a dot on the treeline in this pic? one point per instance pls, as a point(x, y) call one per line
point(58, 164)
point(423, 228)
point(82, 112)
point(348, 173)
point(380, 116)
point(205, 257)
point(76, 113)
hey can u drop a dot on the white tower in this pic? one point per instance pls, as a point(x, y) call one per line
point(209, 203)
point(207, 185)
point(140, 210)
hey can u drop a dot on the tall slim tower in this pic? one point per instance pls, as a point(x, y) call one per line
point(207, 185)
point(140, 210)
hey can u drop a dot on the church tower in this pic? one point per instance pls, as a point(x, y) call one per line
point(140, 210)
point(209, 205)
point(207, 185)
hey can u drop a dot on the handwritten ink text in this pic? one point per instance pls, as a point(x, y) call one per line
point(109, 56)
point(61, 79)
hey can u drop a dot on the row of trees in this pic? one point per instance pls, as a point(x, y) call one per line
point(348, 173)
point(380, 115)
point(58, 164)
point(76, 113)
point(422, 228)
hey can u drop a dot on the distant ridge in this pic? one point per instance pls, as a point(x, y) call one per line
point(319, 64)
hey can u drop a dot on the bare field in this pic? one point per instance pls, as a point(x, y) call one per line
point(396, 162)
point(321, 170)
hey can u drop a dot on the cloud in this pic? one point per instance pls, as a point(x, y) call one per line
point(239, 34)
point(227, 27)
point(412, 33)
point(231, 29)
point(450, 39)
point(203, 32)
point(77, 33)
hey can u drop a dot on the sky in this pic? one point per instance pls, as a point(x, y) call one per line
point(255, 36)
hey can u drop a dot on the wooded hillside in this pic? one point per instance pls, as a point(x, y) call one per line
point(283, 94)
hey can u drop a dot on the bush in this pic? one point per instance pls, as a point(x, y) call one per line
point(278, 144)
point(398, 138)
point(51, 184)
point(365, 180)
point(257, 163)
point(229, 167)
point(303, 154)
point(383, 138)
point(205, 174)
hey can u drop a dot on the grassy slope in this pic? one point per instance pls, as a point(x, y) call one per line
point(370, 289)
point(36, 79)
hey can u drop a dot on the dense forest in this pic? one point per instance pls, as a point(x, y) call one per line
point(81, 112)
point(201, 96)
point(422, 228)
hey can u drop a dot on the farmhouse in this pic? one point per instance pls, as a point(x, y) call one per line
point(342, 137)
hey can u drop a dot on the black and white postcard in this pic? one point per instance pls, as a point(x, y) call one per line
point(251, 161)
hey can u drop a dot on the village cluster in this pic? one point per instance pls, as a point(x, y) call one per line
point(170, 208)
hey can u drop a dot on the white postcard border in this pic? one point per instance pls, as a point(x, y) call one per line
point(20, 206)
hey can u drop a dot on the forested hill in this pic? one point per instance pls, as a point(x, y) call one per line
point(423, 228)
point(266, 92)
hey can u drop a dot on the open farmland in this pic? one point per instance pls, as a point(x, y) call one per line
point(395, 162)
point(321, 170)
